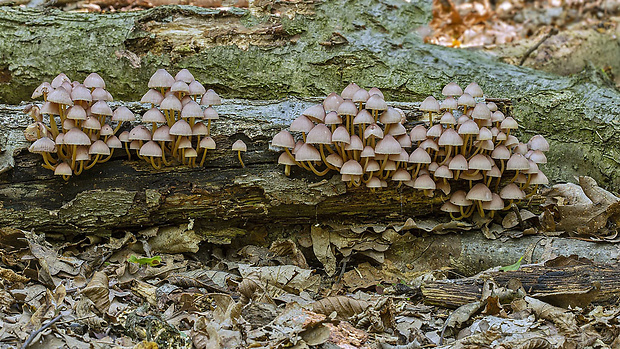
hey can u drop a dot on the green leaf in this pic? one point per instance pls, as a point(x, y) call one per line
point(153, 261)
point(512, 267)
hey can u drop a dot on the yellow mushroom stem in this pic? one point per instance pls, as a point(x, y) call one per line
point(182, 154)
point(163, 153)
point(533, 192)
point(66, 177)
point(46, 163)
point(107, 157)
point(369, 177)
point(74, 153)
point(515, 176)
point(469, 212)
point(80, 168)
point(127, 150)
point(478, 203)
point(287, 170)
point(241, 160)
point(430, 118)
point(176, 146)
point(53, 126)
point(209, 127)
point(509, 206)
point(414, 174)
point(356, 182)
point(303, 135)
point(384, 162)
point(329, 166)
point(156, 163)
point(313, 169)
point(448, 153)
point(428, 193)
point(89, 166)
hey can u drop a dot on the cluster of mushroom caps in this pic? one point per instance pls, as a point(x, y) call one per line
point(465, 145)
point(80, 132)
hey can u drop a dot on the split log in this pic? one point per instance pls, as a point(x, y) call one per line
point(309, 48)
point(561, 285)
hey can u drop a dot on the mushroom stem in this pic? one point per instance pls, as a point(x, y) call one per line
point(156, 165)
point(287, 170)
point(202, 161)
point(209, 127)
point(89, 166)
point(448, 153)
point(430, 118)
point(240, 160)
point(176, 146)
point(73, 157)
point(515, 176)
point(415, 174)
point(456, 218)
point(480, 209)
point(66, 177)
point(329, 166)
point(127, 150)
point(163, 154)
point(322, 173)
point(47, 157)
point(384, 162)
point(80, 168)
point(470, 210)
point(107, 157)
point(533, 192)
point(54, 127)
point(509, 206)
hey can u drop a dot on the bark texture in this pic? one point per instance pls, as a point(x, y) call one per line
point(307, 48)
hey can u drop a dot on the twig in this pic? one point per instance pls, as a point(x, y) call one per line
point(552, 32)
point(35, 333)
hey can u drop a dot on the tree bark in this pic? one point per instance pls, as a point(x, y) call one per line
point(558, 285)
point(307, 48)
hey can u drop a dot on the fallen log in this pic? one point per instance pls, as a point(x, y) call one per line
point(305, 48)
point(559, 285)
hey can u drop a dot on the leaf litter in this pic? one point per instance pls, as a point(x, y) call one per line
point(334, 285)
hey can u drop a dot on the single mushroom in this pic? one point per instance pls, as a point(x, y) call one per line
point(239, 146)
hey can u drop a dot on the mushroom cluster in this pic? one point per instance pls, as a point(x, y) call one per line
point(180, 121)
point(81, 131)
point(465, 145)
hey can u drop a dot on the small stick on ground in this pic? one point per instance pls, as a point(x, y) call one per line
point(35, 333)
point(552, 32)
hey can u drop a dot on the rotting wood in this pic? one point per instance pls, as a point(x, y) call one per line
point(538, 281)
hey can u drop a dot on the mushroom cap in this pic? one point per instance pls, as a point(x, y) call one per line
point(403, 156)
point(539, 178)
point(134, 145)
point(373, 130)
point(59, 79)
point(208, 143)
point(375, 91)
point(162, 134)
point(452, 89)
point(124, 114)
point(184, 143)
point(210, 114)
point(81, 93)
point(424, 182)
point(43, 145)
point(419, 156)
point(481, 112)
point(397, 129)
point(360, 96)
point(152, 97)
point(447, 119)
point(363, 117)
point(239, 145)
point(510, 141)
point(376, 102)
point(467, 100)
point(368, 152)
point(101, 108)
point(184, 75)
point(355, 143)
point(494, 172)
point(430, 104)
point(500, 153)
point(192, 110)
point(480, 162)
point(373, 182)
point(347, 108)
point(495, 204)
point(470, 176)
point(196, 88)
point(301, 124)
point(443, 172)
point(450, 103)
point(152, 115)
point(210, 98)
point(459, 198)
point(418, 133)
point(480, 192)
point(388, 145)
point(106, 130)
point(533, 168)
point(114, 143)
point(458, 163)
point(140, 133)
point(332, 102)
point(200, 129)
point(497, 116)
point(315, 113)
point(283, 139)
point(191, 153)
point(332, 118)
point(429, 144)
point(82, 153)
point(335, 160)
point(484, 134)
point(538, 157)
point(349, 91)
point(94, 80)
point(171, 102)
point(492, 106)
point(181, 128)
point(450, 137)
point(45, 87)
point(449, 207)
point(341, 135)
point(161, 78)
point(99, 147)
point(352, 168)
point(509, 124)
point(124, 136)
point(517, 162)
point(372, 166)
point(474, 90)
point(60, 96)
point(469, 128)
point(63, 169)
point(100, 94)
point(435, 131)
point(75, 136)
point(404, 141)
point(151, 148)
point(285, 159)
point(320, 134)
point(390, 116)
point(76, 112)
point(401, 175)
point(511, 192)
point(538, 142)
point(307, 153)
point(91, 123)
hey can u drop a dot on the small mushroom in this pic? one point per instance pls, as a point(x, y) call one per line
point(239, 146)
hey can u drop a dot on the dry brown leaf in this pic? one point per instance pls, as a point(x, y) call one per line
point(98, 291)
point(344, 307)
point(322, 249)
point(344, 335)
point(11, 276)
point(289, 248)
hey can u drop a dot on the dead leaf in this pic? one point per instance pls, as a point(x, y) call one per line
point(344, 307)
point(322, 249)
point(98, 291)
